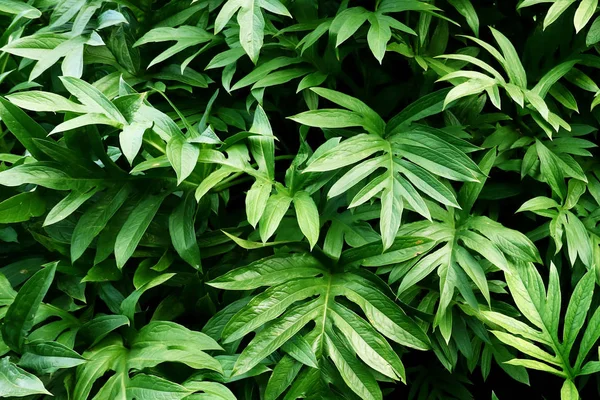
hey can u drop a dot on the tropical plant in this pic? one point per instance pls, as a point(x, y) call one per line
point(283, 199)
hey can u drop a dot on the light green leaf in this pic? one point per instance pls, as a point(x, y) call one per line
point(252, 26)
point(356, 376)
point(40, 101)
point(391, 211)
point(92, 98)
point(513, 65)
point(269, 271)
point(256, 201)
point(182, 156)
point(130, 139)
point(185, 36)
point(577, 309)
point(584, 13)
point(16, 382)
point(378, 36)
point(569, 390)
point(300, 350)
point(347, 153)
point(151, 387)
point(19, 8)
point(308, 216)
point(276, 334)
point(346, 23)
point(277, 206)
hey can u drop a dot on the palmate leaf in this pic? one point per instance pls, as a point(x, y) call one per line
point(459, 245)
point(543, 310)
point(301, 290)
point(565, 224)
point(156, 343)
point(410, 159)
point(468, 83)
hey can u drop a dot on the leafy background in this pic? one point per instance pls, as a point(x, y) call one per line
point(264, 199)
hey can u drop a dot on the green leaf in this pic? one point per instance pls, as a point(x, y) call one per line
point(329, 118)
point(15, 382)
point(425, 106)
point(130, 139)
point(569, 390)
point(19, 8)
point(23, 127)
point(128, 305)
point(151, 387)
point(268, 272)
point(99, 327)
point(226, 58)
point(513, 65)
point(308, 216)
point(300, 350)
point(213, 389)
point(69, 205)
point(22, 207)
point(48, 357)
point(551, 169)
point(590, 337)
point(378, 36)
point(468, 88)
point(551, 77)
point(276, 334)
point(135, 226)
point(538, 203)
point(346, 23)
point(368, 344)
point(427, 183)
point(448, 162)
point(182, 231)
point(391, 212)
point(557, 9)
point(252, 26)
point(256, 201)
point(375, 122)
point(465, 8)
point(20, 315)
point(578, 241)
point(584, 13)
point(92, 98)
point(577, 309)
point(40, 101)
point(182, 156)
point(356, 376)
point(347, 153)
point(277, 205)
point(283, 375)
point(185, 36)
point(95, 219)
point(593, 35)
point(163, 341)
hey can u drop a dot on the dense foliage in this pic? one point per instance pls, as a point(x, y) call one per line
point(282, 199)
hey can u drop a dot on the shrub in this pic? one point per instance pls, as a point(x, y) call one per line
point(282, 199)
